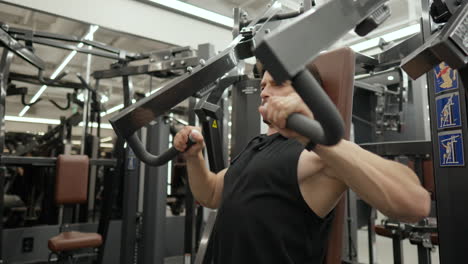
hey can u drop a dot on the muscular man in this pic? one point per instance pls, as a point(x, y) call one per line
point(275, 201)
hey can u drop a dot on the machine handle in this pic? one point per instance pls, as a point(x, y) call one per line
point(150, 159)
point(327, 128)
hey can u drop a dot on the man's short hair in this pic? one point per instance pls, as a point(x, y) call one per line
point(259, 71)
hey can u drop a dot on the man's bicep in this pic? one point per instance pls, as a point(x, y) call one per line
point(218, 190)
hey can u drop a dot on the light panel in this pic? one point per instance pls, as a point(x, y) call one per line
point(398, 34)
point(195, 11)
point(48, 121)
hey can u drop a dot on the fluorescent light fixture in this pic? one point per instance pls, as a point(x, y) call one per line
point(60, 68)
point(63, 64)
point(104, 98)
point(153, 91)
point(94, 124)
point(390, 78)
point(112, 110)
point(195, 11)
point(25, 109)
point(106, 139)
point(33, 120)
point(398, 34)
point(48, 121)
point(102, 145)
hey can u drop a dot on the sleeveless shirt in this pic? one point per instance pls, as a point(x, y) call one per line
point(263, 217)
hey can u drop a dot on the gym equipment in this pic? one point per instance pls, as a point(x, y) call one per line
point(444, 59)
point(71, 187)
point(418, 156)
point(283, 63)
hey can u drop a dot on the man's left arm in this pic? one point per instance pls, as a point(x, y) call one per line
point(391, 187)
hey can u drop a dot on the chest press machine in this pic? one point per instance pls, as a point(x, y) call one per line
point(284, 62)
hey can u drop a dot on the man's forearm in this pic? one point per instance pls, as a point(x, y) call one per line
point(202, 181)
point(388, 186)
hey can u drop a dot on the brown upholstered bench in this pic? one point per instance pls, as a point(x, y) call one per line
point(71, 187)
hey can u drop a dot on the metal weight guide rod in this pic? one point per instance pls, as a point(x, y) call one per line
point(284, 62)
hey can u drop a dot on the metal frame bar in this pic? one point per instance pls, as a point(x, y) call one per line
point(284, 58)
point(60, 45)
point(132, 118)
point(204, 250)
point(130, 193)
point(397, 246)
point(190, 207)
point(369, 87)
point(443, 45)
point(48, 161)
point(33, 79)
point(424, 254)
point(152, 68)
point(5, 63)
point(411, 148)
point(13, 45)
point(56, 40)
point(155, 197)
point(245, 126)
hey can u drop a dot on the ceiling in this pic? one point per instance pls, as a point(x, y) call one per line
point(404, 12)
point(32, 20)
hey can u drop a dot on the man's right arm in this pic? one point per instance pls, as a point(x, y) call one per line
point(206, 186)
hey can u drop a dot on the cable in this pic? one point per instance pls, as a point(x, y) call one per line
point(363, 121)
point(23, 101)
point(63, 107)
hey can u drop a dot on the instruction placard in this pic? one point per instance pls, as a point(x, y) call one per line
point(451, 148)
point(446, 78)
point(448, 110)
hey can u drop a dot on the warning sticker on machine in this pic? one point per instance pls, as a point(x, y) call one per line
point(448, 110)
point(446, 78)
point(451, 148)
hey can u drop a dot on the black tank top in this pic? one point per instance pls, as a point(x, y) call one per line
point(263, 217)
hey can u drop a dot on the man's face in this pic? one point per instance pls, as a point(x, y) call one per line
point(271, 88)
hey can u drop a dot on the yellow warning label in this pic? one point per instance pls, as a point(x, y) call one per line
point(215, 124)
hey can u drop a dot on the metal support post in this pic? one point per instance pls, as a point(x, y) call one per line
point(245, 117)
point(397, 250)
point(5, 63)
point(130, 194)
point(424, 254)
point(86, 114)
point(155, 196)
point(190, 212)
point(448, 116)
point(371, 236)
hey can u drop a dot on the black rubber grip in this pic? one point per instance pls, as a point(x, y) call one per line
point(327, 128)
point(150, 159)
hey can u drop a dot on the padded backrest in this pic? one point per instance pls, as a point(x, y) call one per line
point(71, 181)
point(336, 69)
